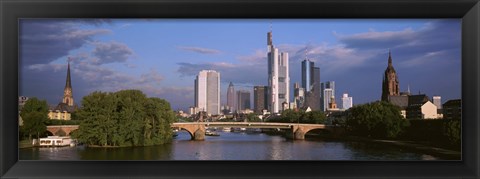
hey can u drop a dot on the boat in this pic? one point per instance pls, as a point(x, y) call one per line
point(209, 133)
point(56, 141)
point(227, 129)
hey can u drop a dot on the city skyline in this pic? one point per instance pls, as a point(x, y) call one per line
point(111, 55)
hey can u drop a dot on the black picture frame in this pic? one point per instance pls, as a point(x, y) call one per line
point(12, 10)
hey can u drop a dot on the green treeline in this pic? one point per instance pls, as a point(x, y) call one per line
point(292, 116)
point(124, 118)
point(383, 120)
point(444, 132)
point(378, 120)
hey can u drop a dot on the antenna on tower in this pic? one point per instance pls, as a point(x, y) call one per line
point(408, 88)
point(306, 50)
point(271, 25)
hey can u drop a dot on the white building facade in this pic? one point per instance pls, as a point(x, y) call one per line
point(207, 92)
point(437, 100)
point(327, 96)
point(429, 110)
point(327, 90)
point(278, 77)
point(347, 101)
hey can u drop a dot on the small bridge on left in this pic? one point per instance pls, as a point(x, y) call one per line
point(62, 130)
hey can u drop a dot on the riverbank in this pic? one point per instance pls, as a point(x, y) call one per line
point(23, 144)
point(447, 154)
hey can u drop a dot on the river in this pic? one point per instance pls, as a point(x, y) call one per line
point(232, 146)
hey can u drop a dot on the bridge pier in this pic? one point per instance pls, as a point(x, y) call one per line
point(196, 131)
point(199, 134)
point(299, 134)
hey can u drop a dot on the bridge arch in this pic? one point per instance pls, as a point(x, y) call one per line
point(62, 130)
point(299, 131)
point(197, 132)
point(197, 129)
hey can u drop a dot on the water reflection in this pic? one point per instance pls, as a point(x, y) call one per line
point(232, 146)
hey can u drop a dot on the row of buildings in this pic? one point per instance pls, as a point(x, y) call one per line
point(418, 106)
point(272, 98)
point(311, 94)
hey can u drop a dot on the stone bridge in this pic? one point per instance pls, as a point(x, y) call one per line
point(62, 130)
point(197, 129)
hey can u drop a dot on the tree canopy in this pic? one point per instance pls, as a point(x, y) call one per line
point(124, 118)
point(34, 115)
point(292, 116)
point(378, 119)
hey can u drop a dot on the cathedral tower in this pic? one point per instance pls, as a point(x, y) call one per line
point(67, 92)
point(390, 81)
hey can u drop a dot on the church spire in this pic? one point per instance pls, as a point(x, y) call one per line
point(389, 58)
point(67, 92)
point(68, 83)
point(390, 81)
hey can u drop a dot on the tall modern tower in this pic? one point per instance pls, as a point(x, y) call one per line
point(298, 95)
point(231, 96)
point(207, 92)
point(243, 100)
point(437, 101)
point(67, 92)
point(260, 98)
point(347, 101)
point(307, 75)
point(390, 81)
point(328, 90)
point(278, 77)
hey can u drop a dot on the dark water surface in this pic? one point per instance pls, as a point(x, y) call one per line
point(232, 146)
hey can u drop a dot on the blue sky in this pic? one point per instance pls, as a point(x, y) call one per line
point(162, 56)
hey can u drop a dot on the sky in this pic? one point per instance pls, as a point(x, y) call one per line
point(162, 57)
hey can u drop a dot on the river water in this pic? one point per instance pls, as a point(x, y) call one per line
point(232, 146)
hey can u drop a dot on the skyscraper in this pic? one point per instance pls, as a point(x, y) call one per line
point(311, 84)
point(327, 96)
point(231, 97)
point(390, 81)
point(278, 77)
point(207, 92)
point(347, 102)
point(328, 90)
point(260, 98)
point(298, 95)
point(67, 92)
point(307, 74)
point(243, 100)
point(437, 101)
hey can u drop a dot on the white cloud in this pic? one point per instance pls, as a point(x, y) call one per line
point(200, 50)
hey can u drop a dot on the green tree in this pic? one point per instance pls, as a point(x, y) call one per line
point(124, 118)
point(34, 115)
point(377, 119)
point(452, 131)
point(292, 116)
point(253, 118)
point(314, 117)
